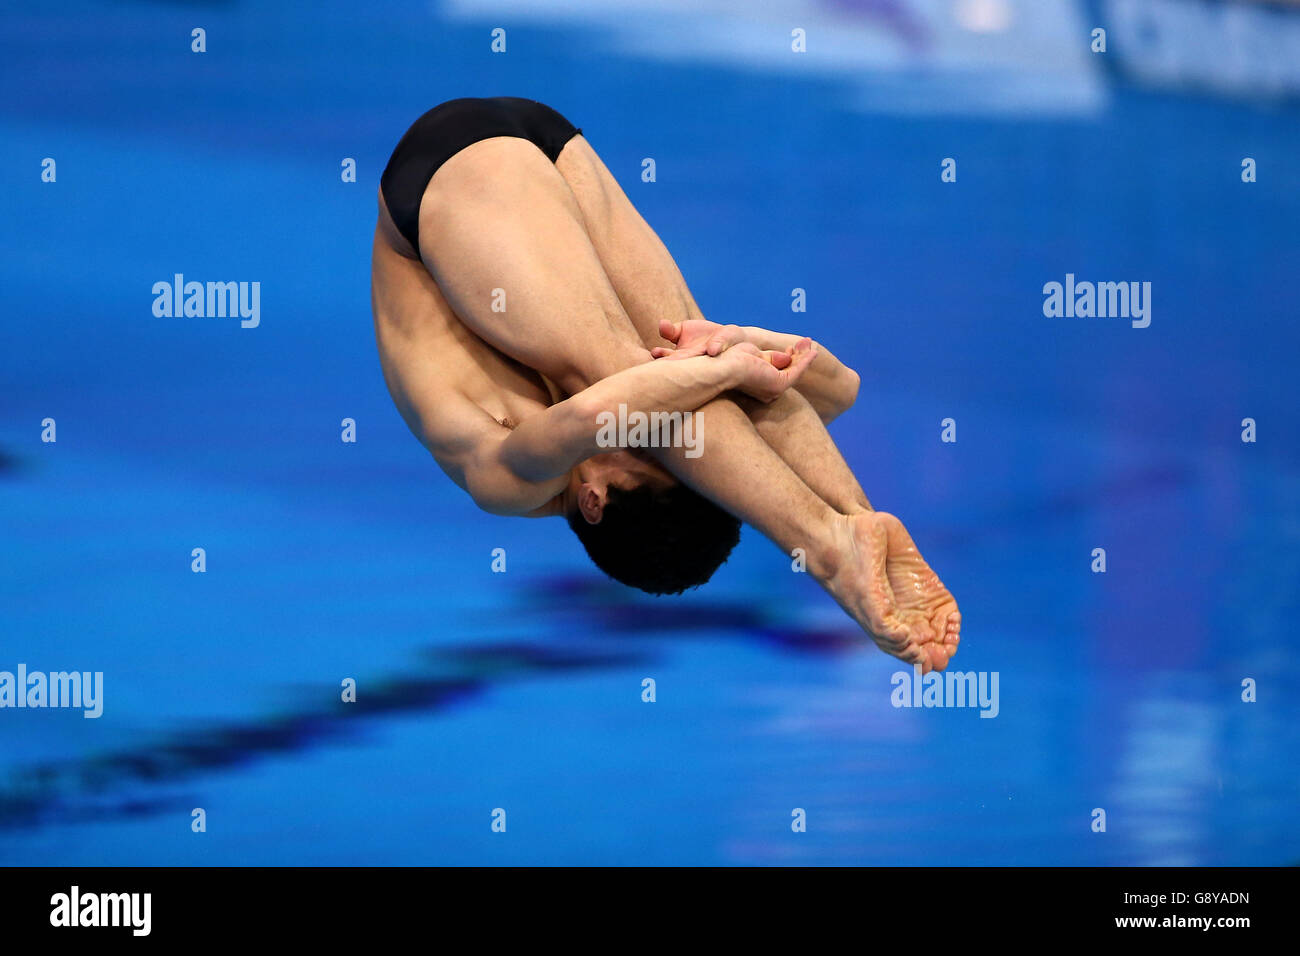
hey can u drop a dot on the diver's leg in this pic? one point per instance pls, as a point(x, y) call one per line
point(640, 268)
point(861, 559)
point(509, 246)
point(651, 288)
point(796, 432)
point(503, 237)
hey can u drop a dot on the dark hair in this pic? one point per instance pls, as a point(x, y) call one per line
point(662, 541)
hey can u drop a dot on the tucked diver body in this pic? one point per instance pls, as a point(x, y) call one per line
point(520, 300)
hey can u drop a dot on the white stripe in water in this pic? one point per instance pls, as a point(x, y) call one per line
point(892, 56)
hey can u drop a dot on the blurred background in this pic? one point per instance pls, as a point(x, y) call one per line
point(776, 170)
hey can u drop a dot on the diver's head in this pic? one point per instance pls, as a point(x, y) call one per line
point(643, 527)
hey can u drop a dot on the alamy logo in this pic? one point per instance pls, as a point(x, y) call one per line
point(210, 300)
point(55, 689)
point(74, 908)
point(948, 689)
point(653, 430)
point(1102, 300)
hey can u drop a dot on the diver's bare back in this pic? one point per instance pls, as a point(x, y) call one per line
point(459, 393)
point(475, 389)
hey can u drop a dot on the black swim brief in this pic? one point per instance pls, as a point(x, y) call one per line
point(448, 128)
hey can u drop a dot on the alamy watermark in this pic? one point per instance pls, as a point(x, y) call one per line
point(947, 689)
point(1102, 300)
point(130, 910)
point(210, 300)
point(637, 429)
point(36, 689)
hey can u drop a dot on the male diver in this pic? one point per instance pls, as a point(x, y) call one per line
point(518, 296)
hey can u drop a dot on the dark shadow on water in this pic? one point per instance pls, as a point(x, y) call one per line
point(575, 615)
point(606, 609)
point(90, 790)
point(1043, 508)
point(10, 464)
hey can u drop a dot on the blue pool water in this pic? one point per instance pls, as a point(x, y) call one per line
point(522, 690)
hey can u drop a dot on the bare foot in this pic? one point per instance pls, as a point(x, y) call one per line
point(885, 585)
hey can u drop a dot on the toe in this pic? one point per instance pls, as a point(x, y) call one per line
point(952, 628)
